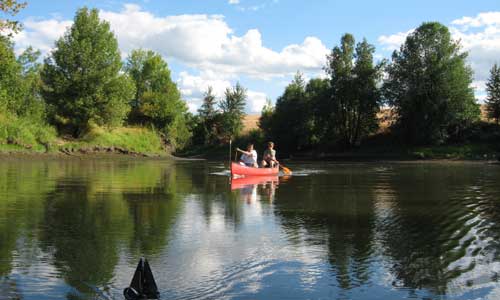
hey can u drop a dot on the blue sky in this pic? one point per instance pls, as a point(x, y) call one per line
point(262, 43)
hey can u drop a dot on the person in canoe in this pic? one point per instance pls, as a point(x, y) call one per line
point(249, 157)
point(269, 158)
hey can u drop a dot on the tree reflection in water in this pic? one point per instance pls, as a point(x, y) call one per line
point(74, 229)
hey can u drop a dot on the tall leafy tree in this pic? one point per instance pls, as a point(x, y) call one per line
point(367, 95)
point(233, 110)
point(10, 76)
point(10, 7)
point(292, 118)
point(266, 119)
point(429, 86)
point(318, 96)
point(339, 67)
point(157, 99)
point(493, 99)
point(355, 97)
point(82, 79)
point(208, 118)
point(20, 82)
point(32, 103)
point(208, 108)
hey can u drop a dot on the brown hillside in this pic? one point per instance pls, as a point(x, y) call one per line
point(386, 117)
point(250, 122)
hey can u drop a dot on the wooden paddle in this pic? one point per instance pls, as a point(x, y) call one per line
point(286, 170)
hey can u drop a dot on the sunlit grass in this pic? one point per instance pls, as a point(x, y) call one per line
point(134, 139)
point(22, 134)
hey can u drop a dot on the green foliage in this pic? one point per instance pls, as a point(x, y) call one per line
point(20, 82)
point(157, 99)
point(206, 131)
point(318, 91)
point(292, 123)
point(266, 118)
point(339, 110)
point(141, 140)
point(429, 86)
point(233, 111)
point(355, 98)
point(208, 109)
point(82, 80)
point(25, 133)
point(10, 76)
point(10, 7)
point(493, 89)
point(31, 104)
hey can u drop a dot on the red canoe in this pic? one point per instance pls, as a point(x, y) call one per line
point(239, 170)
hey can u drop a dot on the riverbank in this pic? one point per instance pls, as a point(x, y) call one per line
point(19, 136)
point(465, 152)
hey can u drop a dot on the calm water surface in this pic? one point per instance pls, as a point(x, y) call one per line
point(76, 229)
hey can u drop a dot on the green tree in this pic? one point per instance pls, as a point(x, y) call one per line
point(493, 99)
point(367, 95)
point(318, 93)
point(32, 103)
point(157, 99)
point(10, 7)
point(292, 121)
point(10, 76)
point(208, 118)
point(233, 110)
point(355, 97)
point(82, 79)
point(429, 86)
point(266, 119)
point(208, 109)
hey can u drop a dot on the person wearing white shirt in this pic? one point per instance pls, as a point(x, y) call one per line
point(249, 157)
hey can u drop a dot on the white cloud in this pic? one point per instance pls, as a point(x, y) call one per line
point(255, 102)
point(193, 87)
point(393, 41)
point(479, 35)
point(41, 34)
point(208, 42)
point(234, 2)
point(482, 19)
point(205, 42)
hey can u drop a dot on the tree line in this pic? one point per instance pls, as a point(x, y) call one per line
point(427, 85)
point(84, 83)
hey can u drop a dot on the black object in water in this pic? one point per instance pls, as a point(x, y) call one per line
point(143, 285)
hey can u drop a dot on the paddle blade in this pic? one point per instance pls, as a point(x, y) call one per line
point(286, 170)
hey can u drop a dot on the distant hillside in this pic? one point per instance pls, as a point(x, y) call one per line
point(386, 117)
point(250, 122)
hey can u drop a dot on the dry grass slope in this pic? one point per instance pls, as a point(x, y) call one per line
point(386, 118)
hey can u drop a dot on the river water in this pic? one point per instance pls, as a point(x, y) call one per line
point(75, 229)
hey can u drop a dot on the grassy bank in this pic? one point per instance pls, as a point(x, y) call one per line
point(125, 140)
point(18, 135)
point(23, 135)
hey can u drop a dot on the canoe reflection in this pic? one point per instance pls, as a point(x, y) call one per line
point(247, 187)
